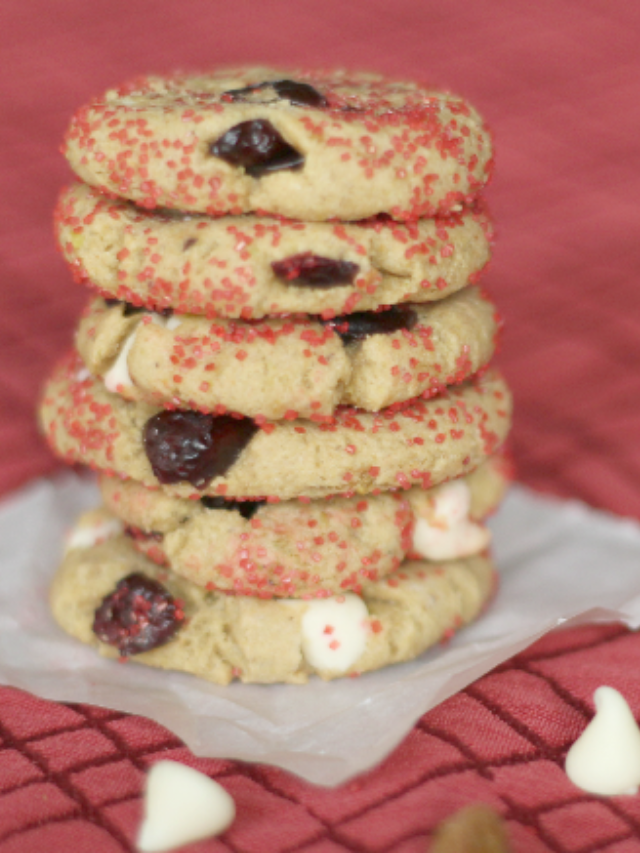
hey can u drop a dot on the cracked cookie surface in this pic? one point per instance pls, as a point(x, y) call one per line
point(194, 455)
point(293, 367)
point(233, 141)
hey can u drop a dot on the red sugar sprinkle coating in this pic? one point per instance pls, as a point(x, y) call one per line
point(364, 374)
point(419, 150)
point(85, 423)
point(110, 245)
point(242, 558)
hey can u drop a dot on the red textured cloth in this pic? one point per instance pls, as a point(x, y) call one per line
point(560, 83)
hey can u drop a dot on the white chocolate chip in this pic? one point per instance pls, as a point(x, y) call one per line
point(606, 757)
point(182, 805)
point(448, 533)
point(118, 375)
point(88, 535)
point(334, 632)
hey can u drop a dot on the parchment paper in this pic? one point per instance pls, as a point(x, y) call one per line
point(559, 561)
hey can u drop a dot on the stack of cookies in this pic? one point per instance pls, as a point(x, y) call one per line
point(282, 373)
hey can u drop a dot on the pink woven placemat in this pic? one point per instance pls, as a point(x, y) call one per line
point(560, 83)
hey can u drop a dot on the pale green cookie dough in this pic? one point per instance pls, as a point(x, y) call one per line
point(423, 444)
point(222, 266)
point(374, 145)
point(227, 636)
point(291, 548)
point(276, 368)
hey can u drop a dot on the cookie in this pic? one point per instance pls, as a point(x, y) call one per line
point(192, 454)
point(112, 597)
point(305, 145)
point(294, 368)
point(250, 267)
point(291, 549)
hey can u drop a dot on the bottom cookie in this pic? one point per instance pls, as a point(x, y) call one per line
point(111, 596)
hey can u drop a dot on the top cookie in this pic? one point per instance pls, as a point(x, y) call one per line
point(306, 145)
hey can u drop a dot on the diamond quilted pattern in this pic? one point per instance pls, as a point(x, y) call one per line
point(17, 771)
point(535, 785)
point(524, 837)
point(26, 717)
point(61, 838)
point(583, 826)
point(262, 832)
point(550, 724)
point(630, 808)
point(108, 783)
point(616, 660)
point(420, 756)
point(417, 811)
point(32, 804)
point(501, 741)
point(59, 751)
point(480, 733)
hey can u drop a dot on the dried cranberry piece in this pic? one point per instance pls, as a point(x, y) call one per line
point(258, 147)
point(247, 509)
point(298, 94)
point(361, 324)
point(307, 270)
point(139, 615)
point(183, 445)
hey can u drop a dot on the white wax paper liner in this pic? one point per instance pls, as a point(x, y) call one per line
point(559, 561)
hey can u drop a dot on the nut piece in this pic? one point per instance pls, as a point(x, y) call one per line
point(474, 829)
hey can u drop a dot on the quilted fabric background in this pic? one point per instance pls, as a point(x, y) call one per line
point(560, 83)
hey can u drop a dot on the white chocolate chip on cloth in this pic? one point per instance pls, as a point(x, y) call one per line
point(181, 805)
point(306, 145)
point(293, 368)
point(113, 597)
point(192, 454)
point(249, 267)
point(605, 760)
point(295, 549)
